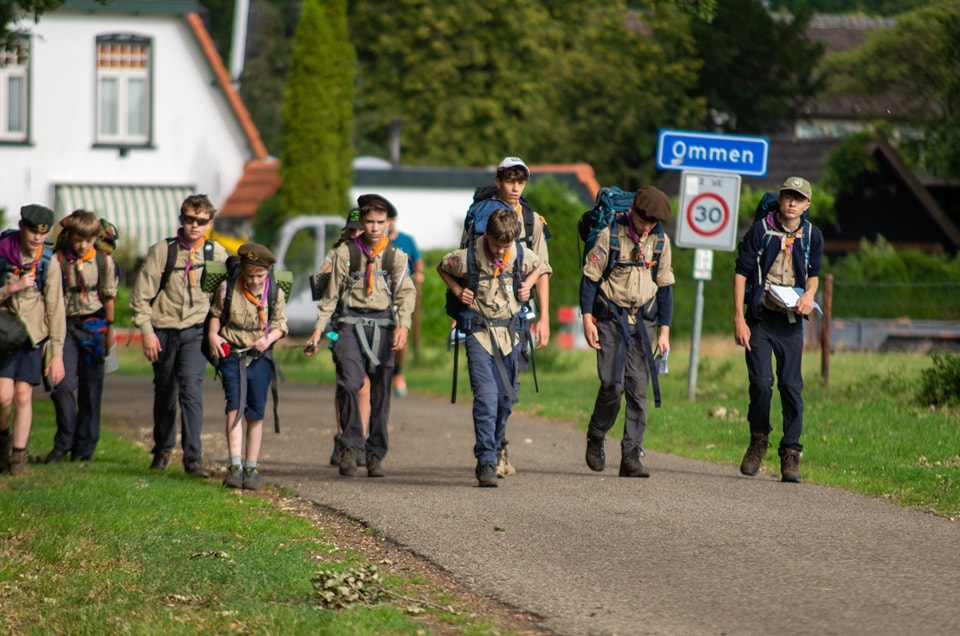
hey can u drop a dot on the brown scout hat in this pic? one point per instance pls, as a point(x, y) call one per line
point(651, 203)
point(256, 254)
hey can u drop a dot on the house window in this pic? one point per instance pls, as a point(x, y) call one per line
point(123, 90)
point(13, 93)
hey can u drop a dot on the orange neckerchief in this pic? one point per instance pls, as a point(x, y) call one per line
point(36, 259)
point(498, 265)
point(78, 270)
point(371, 255)
point(257, 303)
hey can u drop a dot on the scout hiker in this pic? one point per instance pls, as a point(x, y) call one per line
point(31, 300)
point(169, 306)
point(374, 299)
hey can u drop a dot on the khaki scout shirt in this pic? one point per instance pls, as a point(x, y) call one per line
point(243, 328)
point(401, 301)
point(181, 303)
point(781, 273)
point(494, 299)
point(629, 287)
point(42, 313)
point(81, 278)
point(539, 243)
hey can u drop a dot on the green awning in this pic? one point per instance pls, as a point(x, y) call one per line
point(144, 215)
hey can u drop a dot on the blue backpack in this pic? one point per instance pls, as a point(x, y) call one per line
point(610, 210)
point(766, 213)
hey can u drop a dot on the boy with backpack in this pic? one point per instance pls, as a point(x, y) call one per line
point(510, 181)
point(90, 277)
point(782, 248)
point(374, 300)
point(31, 299)
point(245, 322)
point(169, 307)
point(491, 318)
point(627, 289)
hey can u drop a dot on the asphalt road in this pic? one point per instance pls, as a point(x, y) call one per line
point(694, 549)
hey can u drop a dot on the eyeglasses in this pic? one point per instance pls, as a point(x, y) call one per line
point(194, 220)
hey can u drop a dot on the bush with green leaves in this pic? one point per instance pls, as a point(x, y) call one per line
point(940, 385)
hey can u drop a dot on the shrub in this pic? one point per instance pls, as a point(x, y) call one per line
point(940, 385)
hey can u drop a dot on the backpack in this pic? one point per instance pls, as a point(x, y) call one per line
point(172, 260)
point(215, 273)
point(766, 213)
point(610, 210)
point(488, 192)
point(105, 243)
point(320, 282)
point(41, 272)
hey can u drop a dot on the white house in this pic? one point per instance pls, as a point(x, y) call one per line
point(123, 109)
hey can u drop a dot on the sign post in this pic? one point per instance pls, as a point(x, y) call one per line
point(712, 166)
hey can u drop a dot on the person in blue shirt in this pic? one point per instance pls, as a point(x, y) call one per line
point(408, 245)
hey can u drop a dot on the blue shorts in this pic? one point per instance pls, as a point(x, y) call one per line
point(259, 374)
point(25, 365)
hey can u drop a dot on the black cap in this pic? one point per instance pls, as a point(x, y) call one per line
point(353, 220)
point(375, 200)
point(37, 218)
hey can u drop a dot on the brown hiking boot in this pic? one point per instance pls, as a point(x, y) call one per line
point(5, 438)
point(630, 465)
point(790, 465)
point(595, 456)
point(755, 454)
point(18, 463)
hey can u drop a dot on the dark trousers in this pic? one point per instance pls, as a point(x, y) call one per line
point(636, 375)
point(351, 369)
point(492, 403)
point(78, 417)
point(773, 335)
point(178, 378)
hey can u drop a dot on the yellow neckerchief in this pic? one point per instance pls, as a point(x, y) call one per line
point(257, 303)
point(371, 255)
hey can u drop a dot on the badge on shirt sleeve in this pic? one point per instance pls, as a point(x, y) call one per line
point(453, 262)
point(597, 255)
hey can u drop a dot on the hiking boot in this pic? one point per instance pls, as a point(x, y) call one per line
point(55, 456)
point(251, 479)
point(160, 461)
point(487, 476)
point(790, 465)
point(337, 450)
point(18, 463)
point(348, 461)
point(234, 478)
point(374, 466)
point(595, 457)
point(630, 465)
point(5, 451)
point(399, 386)
point(504, 467)
point(195, 467)
point(754, 455)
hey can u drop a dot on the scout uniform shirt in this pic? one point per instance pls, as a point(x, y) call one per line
point(781, 272)
point(633, 286)
point(42, 313)
point(402, 300)
point(495, 298)
point(245, 325)
point(81, 277)
point(181, 303)
point(538, 244)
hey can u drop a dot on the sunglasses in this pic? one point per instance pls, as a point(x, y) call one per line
point(194, 220)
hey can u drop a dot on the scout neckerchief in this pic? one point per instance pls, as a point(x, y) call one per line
point(259, 304)
point(638, 256)
point(498, 265)
point(188, 269)
point(78, 262)
point(789, 237)
point(371, 255)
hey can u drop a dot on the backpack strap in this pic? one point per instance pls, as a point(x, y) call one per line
point(172, 261)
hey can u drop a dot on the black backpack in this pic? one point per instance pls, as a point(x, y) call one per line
point(172, 260)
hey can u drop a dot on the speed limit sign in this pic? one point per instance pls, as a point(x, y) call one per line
point(708, 211)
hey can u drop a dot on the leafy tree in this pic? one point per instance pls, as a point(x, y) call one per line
point(919, 58)
point(757, 73)
point(13, 10)
point(316, 162)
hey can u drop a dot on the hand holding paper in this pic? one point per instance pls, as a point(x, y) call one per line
point(790, 295)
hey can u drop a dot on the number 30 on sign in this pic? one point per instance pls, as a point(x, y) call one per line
point(708, 210)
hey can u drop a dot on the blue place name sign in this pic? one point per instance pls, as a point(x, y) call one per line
point(736, 154)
